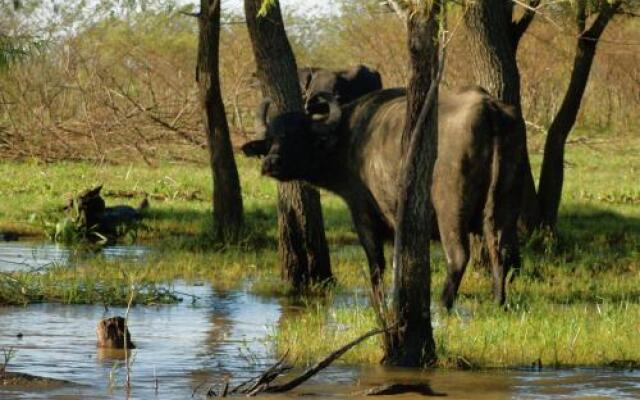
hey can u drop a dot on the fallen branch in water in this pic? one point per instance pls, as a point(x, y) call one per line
point(262, 382)
point(322, 364)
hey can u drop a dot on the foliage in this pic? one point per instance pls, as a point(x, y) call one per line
point(7, 355)
point(264, 7)
point(122, 86)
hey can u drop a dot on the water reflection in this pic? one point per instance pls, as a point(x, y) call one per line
point(27, 256)
point(175, 343)
point(184, 347)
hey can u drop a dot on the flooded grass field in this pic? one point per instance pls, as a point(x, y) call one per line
point(182, 349)
point(204, 312)
point(213, 335)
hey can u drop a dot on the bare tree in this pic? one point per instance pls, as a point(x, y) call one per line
point(227, 197)
point(552, 172)
point(497, 34)
point(301, 239)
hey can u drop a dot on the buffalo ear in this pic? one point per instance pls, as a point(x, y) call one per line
point(89, 193)
point(255, 148)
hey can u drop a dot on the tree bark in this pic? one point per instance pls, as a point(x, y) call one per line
point(552, 173)
point(302, 244)
point(493, 51)
point(412, 343)
point(227, 197)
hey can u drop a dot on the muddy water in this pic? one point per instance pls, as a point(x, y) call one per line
point(182, 349)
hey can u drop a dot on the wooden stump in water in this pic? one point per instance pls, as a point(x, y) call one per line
point(111, 333)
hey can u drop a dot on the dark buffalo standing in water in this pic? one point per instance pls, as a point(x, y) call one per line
point(346, 85)
point(356, 150)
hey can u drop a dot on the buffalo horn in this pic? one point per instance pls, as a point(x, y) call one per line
point(335, 113)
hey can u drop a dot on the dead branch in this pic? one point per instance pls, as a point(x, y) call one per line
point(190, 14)
point(262, 383)
point(398, 8)
point(263, 379)
point(321, 364)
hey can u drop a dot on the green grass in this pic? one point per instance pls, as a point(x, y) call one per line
point(575, 302)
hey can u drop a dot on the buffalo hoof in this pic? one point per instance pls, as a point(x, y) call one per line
point(111, 334)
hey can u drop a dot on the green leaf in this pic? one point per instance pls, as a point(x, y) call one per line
point(264, 8)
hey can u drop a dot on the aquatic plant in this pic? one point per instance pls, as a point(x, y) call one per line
point(7, 355)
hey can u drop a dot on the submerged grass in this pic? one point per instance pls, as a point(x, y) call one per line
point(110, 282)
point(575, 302)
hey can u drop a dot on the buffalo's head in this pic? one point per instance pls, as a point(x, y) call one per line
point(316, 85)
point(88, 207)
point(294, 144)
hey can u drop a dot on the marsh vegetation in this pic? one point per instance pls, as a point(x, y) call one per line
point(115, 103)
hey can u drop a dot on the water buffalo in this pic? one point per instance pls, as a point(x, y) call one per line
point(346, 85)
point(92, 214)
point(356, 150)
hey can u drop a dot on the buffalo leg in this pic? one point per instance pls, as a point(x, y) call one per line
point(456, 249)
point(493, 240)
point(371, 237)
point(501, 235)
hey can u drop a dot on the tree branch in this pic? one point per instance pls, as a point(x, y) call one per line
point(627, 13)
point(607, 11)
point(520, 26)
point(399, 8)
point(322, 364)
point(190, 14)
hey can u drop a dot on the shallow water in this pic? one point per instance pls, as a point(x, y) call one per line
point(177, 344)
point(26, 256)
point(184, 348)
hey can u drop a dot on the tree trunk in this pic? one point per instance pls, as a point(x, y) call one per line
point(552, 173)
point(302, 244)
point(493, 50)
point(227, 197)
point(412, 344)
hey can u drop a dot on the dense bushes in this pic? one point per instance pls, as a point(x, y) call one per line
point(125, 87)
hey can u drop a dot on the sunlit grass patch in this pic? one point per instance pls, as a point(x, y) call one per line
point(481, 334)
point(545, 334)
point(312, 332)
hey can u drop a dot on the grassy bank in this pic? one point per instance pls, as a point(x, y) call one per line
point(576, 301)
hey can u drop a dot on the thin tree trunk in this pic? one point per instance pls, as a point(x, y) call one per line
point(552, 173)
point(495, 41)
point(227, 197)
point(302, 244)
point(412, 344)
